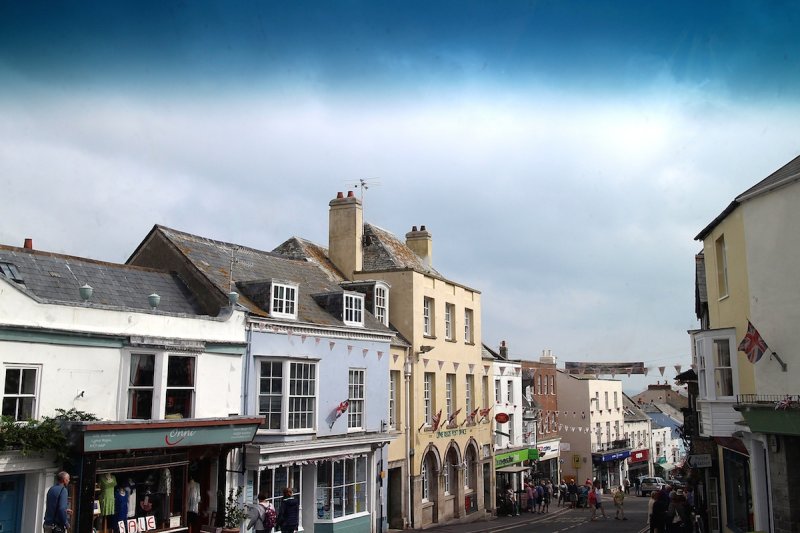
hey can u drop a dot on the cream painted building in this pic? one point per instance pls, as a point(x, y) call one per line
point(598, 446)
point(748, 271)
point(436, 474)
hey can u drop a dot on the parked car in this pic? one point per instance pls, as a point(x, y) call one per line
point(650, 484)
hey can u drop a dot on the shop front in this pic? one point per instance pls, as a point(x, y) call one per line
point(638, 465)
point(153, 475)
point(512, 469)
point(608, 467)
point(549, 461)
point(339, 481)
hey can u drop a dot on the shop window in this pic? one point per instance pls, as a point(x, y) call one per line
point(19, 392)
point(737, 489)
point(341, 488)
point(152, 498)
point(298, 393)
point(272, 481)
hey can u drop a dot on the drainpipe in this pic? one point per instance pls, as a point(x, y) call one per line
point(407, 371)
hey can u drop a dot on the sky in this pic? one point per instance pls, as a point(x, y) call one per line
point(563, 154)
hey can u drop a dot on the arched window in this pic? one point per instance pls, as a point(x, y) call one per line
point(426, 486)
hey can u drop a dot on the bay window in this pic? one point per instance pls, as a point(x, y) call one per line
point(341, 488)
point(298, 394)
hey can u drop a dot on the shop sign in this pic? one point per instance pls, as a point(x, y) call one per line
point(510, 458)
point(149, 438)
point(451, 433)
point(702, 460)
point(576, 461)
point(640, 456)
point(616, 456)
point(533, 454)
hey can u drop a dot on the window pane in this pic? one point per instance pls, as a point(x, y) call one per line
point(179, 403)
point(12, 380)
point(140, 404)
point(180, 371)
point(28, 381)
point(722, 353)
point(142, 370)
point(361, 469)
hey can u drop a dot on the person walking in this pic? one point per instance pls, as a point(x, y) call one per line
point(572, 488)
point(656, 512)
point(56, 511)
point(619, 502)
point(289, 513)
point(262, 515)
point(546, 496)
point(598, 500)
point(562, 494)
point(531, 496)
point(627, 485)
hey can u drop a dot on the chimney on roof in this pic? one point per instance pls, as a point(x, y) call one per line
point(503, 350)
point(28, 244)
point(345, 234)
point(420, 243)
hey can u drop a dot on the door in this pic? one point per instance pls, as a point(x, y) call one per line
point(10, 503)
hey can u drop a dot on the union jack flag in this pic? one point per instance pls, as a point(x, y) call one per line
point(485, 412)
point(753, 344)
point(435, 420)
point(451, 420)
point(471, 417)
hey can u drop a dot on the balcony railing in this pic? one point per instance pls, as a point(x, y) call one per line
point(763, 399)
point(611, 446)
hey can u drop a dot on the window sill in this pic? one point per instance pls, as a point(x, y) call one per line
point(341, 518)
point(426, 336)
point(450, 340)
point(724, 297)
point(469, 343)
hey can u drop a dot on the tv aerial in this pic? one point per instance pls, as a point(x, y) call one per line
point(363, 184)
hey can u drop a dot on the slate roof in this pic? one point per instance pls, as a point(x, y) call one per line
point(56, 278)
point(384, 251)
point(788, 173)
point(213, 260)
point(632, 413)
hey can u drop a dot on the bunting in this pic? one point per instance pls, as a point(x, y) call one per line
point(441, 364)
point(349, 349)
point(471, 368)
point(455, 366)
point(380, 354)
point(316, 341)
point(425, 362)
point(394, 356)
point(331, 344)
point(364, 352)
point(303, 338)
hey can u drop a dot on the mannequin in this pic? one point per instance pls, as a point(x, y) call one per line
point(165, 489)
point(121, 504)
point(107, 484)
point(131, 490)
point(193, 505)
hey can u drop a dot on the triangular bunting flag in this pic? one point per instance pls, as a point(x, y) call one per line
point(485, 370)
point(380, 354)
point(316, 341)
point(331, 344)
point(502, 370)
point(425, 362)
point(394, 356)
point(455, 366)
point(349, 349)
point(303, 338)
point(364, 352)
point(661, 369)
point(441, 364)
point(678, 369)
point(471, 368)
point(646, 370)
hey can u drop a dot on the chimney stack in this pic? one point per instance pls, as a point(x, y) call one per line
point(28, 244)
point(503, 350)
point(420, 243)
point(345, 234)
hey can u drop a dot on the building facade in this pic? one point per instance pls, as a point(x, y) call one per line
point(747, 415)
point(540, 379)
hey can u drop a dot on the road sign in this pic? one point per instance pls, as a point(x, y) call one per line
point(702, 460)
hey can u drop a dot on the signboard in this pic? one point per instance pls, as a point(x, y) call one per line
point(501, 418)
point(603, 368)
point(510, 458)
point(148, 438)
point(702, 460)
point(614, 456)
point(640, 456)
point(576, 461)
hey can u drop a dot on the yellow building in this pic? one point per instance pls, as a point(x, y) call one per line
point(443, 472)
point(747, 272)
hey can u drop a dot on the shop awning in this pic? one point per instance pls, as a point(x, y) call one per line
point(667, 466)
point(772, 421)
point(512, 469)
point(732, 443)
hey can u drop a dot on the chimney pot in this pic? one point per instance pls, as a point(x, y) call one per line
point(28, 244)
point(339, 194)
point(350, 194)
point(422, 228)
point(502, 343)
point(413, 228)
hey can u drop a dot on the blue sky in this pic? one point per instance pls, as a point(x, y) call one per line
point(563, 154)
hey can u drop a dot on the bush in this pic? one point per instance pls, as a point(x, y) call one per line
point(39, 436)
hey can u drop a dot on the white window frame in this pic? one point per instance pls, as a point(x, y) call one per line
point(510, 391)
point(498, 395)
point(446, 477)
point(426, 482)
point(427, 396)
point(269, 393)
point(302, 377)
point(394, 381)
point(449, 331)
point(468, 315)
point(469, 384)
point(427, 317)
point(353, 309)
point(381, 300)
point(356, 396)
point(449, 393)
point(340, 488)
point(292, 477)
point(161, 386)
point(19, 396)
point(539, 384)
point(283, 300)
point(131, 389)
point(721, 257)
point(720, 369)
point(552, 385)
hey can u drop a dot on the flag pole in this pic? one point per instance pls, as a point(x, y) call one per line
point(780, 361)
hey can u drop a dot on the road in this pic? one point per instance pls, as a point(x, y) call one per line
point(561, 520)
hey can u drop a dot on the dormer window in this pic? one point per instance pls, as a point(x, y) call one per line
point(382, 303)
point(10, 271)
point(353, 309)
point(284, 300)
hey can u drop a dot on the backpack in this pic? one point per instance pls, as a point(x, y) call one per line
point(270, 517)
point(592, 497)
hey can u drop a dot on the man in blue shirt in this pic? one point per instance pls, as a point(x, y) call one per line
point(56, 514)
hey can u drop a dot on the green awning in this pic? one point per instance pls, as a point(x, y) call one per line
point(770, 420)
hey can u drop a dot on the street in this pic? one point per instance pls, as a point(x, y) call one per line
point(561, 520)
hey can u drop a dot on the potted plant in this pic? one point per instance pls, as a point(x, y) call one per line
point(235, 512)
